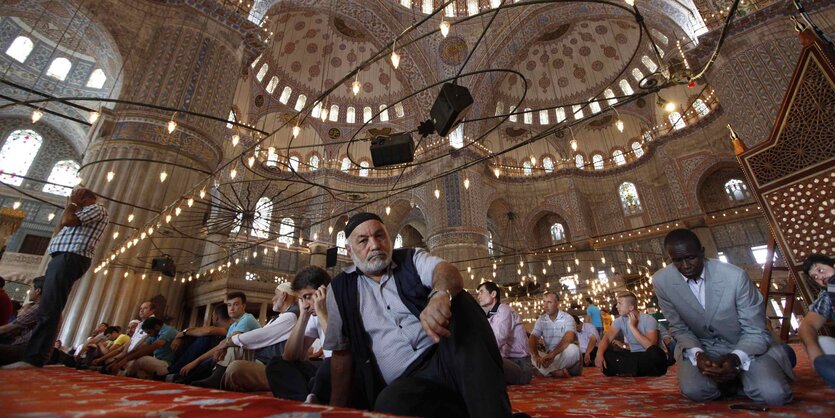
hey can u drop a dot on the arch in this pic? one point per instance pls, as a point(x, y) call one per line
point(676, 121)
point(64, 175)
point(579, 161)
point(313, 162)
point(350, 115)
point(629, 199)
point(540, 221)
point(637, 149)
point(625, 87)
point(262, 72)
point(597, 161)
point(59, 68)
point(97, 79)
point(285, 95)
point(618, 157)
point(272, 84)
point(719, 188)
point(333, 115)
point(367, 114)
point(18, 153)
point(20, 48)
point(548, 164)
point(300, 102)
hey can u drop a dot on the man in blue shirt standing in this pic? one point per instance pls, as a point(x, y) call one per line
point(594, 312)
point(152, 358)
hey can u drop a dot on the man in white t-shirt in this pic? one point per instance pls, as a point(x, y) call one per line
point(640, 333)
point(293, 376)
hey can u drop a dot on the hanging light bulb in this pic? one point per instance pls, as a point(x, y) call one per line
point(116, 235)
point(437, 194)
point(190, 201)
point(177, 211)
point(250, 161)
point(355, 86)
point(110, 176)
point(467, 183)
point(670, 107)
point(235, 139)
point(573, 144)
point(388, 210)
point(549, 261)
point(395, 59)
point(233, 173)
point(168, 218)
point(150, 231)
point(37, 114)
point(94, 116)
point(445, 28)
point(163, 176)
point(630, 2)
point(533, 160)
point(619, 125)
point(496, 171)
point(315, 236)
point(577, 261)
point(603, 259)
point(296, 131)
point(16, 205)
point(51, 216)
point(330, 230)
point(172, 126)
point(202, 194)
point(324, 113)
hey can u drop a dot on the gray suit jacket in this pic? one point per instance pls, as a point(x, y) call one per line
point(733, 317)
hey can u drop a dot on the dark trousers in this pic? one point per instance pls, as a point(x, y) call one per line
point(11, 353)
point(652, 362)
point(592, 356)
point(191, 349)
point(295, 379)
point(61, 274)
point(462, 377)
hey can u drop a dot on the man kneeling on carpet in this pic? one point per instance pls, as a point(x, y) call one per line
point(292, 375)
point(244, 373)
point(406, 338)
point(640, 332)
point(151, 359)
point(555, 329)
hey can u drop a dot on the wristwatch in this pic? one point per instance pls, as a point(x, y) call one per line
point(436, 291)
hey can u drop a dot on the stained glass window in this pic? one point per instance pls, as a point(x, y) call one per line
point(610, 95)
point(314, 162)
point(548, 164)
point(557, 232)
point(528, 116)
point(384, 113)
point(285, 95)
point(526, 168)
point(366, 114)
point(597, 160)
point(701, 108)
point(350, 115)
point(456, 137)
point(300, 102)
point(637, 75)
point(579, 161)
point(261, 222)
point(543, 117)
point(364, 169)
point(294, 162)
point(20, 48)
point(398, 110)
point(560, 114)
point(285, 231)
point(649, 63)
point(737, 190)
point(676, 120)
point(346, 164)
point(262, 72)
point(594, 106)
point(17, 155)
point(398, 241)
point(64, 176)
point(578, 111)
point(618, 157)
point(272, 84)
point(340, 243)
point(334, 113)
point(626, 87)
point(637, 149)
point(629, 198)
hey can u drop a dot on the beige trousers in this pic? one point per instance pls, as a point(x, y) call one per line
point(245, 376)
point(146, 368)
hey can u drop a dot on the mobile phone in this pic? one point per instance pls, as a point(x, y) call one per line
point(749, 407)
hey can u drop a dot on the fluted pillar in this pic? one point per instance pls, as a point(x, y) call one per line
point(186, 66)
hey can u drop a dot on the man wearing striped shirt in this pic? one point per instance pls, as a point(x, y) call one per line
point(72, 249)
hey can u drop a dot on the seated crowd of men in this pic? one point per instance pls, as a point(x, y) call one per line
point(398, 334)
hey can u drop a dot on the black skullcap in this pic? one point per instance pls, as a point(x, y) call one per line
point(357, 219)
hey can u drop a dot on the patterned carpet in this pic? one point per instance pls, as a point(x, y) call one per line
point(62, 392)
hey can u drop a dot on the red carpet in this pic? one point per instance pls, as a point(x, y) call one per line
point(58, 391)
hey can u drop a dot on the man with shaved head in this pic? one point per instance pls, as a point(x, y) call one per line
point(717, 317)
point(406, 338)
point(82, 226)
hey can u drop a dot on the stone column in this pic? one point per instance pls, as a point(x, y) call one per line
point(191, 63)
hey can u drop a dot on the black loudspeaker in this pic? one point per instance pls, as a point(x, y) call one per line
point(330, 257)
point(164, 265)
point(450, 108)
point(390, 150)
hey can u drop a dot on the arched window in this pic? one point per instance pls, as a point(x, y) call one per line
point(568, 282)
point(427, 6)
point(239, 219)
point(543, 117)
point(489, 243)
point(597, 161)
point(618, 157)
point(528, 116)
point(364, 169)
point(384, 113)
point(456, 137)
point(629, 198)
point(737, 190)
point(64, 176)
point(398, 110)
point(594, 106)
point(578, 112)
point(340, 243)
point(637, 149)
point(272, 84)
point(650, 64)
point(346, 164)
point(317, 110)
point(254, 63)
point(97, 79)
point(350, 115)
point(449, 10)
point(230, 120)
point(262, 72)
point(579, 161)
point(313, 162)
point(526, 168)
point(17, 155)
point(20, 48)
point(366, 114)
point(661, 37)
point(701, 108)
point(285, 95)
point(557, 232)
point(637, 75)
point(59, 68)
point(263, 214)
point(647, 136)
point(626, 87)
point(334, 113)
point(548, 164)
point(285, 231)
point(472, 7)
point(560, 114)
point(294, 162)
point(610, 95)
point(398, 241)
point(499, 108)
point(676, 120)
point(300, 102)
point(513, 116)
point(272, 157)
point(406, 3)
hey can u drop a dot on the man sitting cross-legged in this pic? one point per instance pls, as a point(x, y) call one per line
point(151, 359)
point(561, 358)
point(587, 337)
point(193, 342)
point(510, 335)
point(268, 342)
point(15, 336)
point(241, 322)
point(293, 376)
point(640, 332)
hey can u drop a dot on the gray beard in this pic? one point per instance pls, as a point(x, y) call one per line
point(376, 266)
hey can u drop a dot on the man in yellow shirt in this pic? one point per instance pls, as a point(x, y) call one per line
point(115, 343)
point(607, 319)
